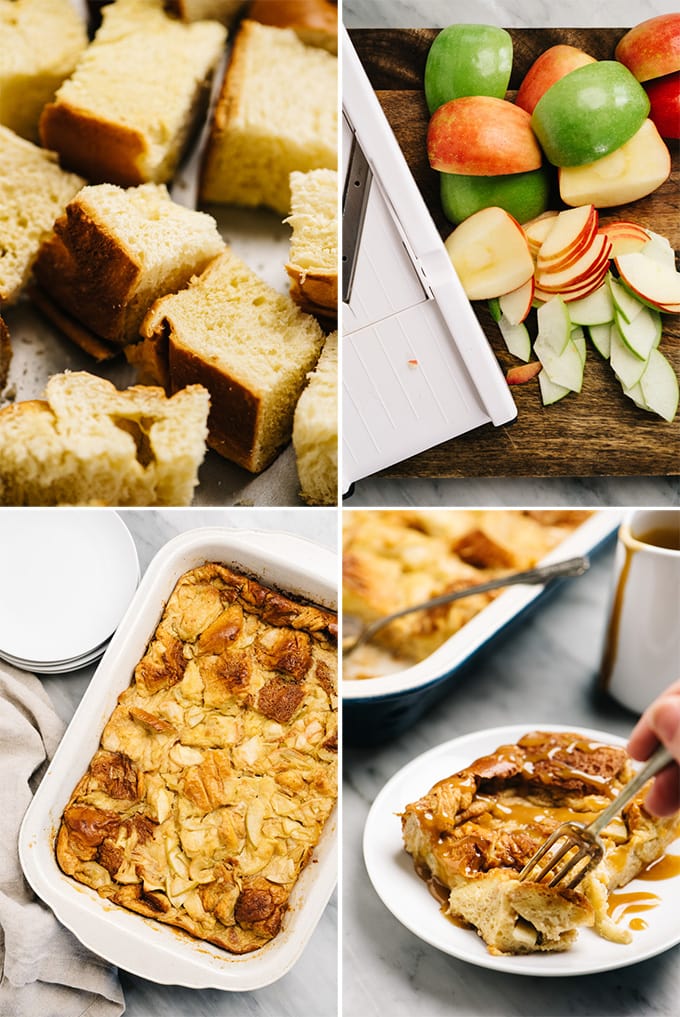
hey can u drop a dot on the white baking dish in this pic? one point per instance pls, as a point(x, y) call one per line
point(136, 944)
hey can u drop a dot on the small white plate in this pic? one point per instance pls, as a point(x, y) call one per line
point(68, 577)
point(391, 871)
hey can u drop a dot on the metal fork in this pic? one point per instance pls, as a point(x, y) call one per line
point(576, 843)
point(542, 574)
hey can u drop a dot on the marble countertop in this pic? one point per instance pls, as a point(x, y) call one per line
point(534, 491)
point(543, 670)
point(310, 988)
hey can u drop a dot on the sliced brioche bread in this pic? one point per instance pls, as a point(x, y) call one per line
point(250, 346)
point(224, 11)
point(40, 43)
point(277, 113)
point(313, 259)
point(115, 251)
point(5, 353)
point(88, 443)
point(127, 112)
point(33, 192)
point(315, 430)
point(315, 22)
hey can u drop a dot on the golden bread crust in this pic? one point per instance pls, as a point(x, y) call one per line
point(216, 771)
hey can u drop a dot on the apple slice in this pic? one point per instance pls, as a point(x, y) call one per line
point(596, 309)
point(554, 324)
point(520, 375)
point(626, 366)
point(490, 254)
point(630, 172)
point(651, 281)
point(624, 302)
point(536, 230)
point(565, 368)
point(515, 306)
point(626, 237)
point(635, 393)
point(550, 392)
point(659, 386)
point(599, 337)
point(588, 266)
point(579, 340)
point(643, 334)
point(568, 231)
point(659, 249)
point(516, 338)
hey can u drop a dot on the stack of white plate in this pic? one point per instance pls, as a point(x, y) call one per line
point(66, 579)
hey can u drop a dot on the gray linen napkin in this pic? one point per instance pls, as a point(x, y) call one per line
point(45, 970)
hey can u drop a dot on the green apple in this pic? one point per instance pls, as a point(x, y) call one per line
point(523, 195)
point(589, 113)
point(467, 60)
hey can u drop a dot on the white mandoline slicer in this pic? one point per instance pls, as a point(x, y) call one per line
point(417, 367)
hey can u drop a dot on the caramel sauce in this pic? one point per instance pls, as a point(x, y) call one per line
point(612, 640)
point(525, 814)
point(665, 867)
point(622, 905)
point(637, 925)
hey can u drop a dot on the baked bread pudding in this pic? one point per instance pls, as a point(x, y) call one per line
point(392, 559)
point(216, 771)
point(472, 834)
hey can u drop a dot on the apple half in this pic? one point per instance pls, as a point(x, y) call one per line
point(548, 68)
point(490, 254)
point(480, 135)
point(652, 48)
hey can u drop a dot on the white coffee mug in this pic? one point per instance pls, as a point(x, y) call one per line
point(642, 645)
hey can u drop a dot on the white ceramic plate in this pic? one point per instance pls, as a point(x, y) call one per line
point(68, 578)
point(406, 895)
point(140, 945)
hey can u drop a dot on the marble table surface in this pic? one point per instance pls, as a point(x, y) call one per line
point(311, 987)
point(526, 491)
point(543, 670)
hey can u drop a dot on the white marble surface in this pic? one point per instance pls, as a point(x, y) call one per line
point(529, 490)
point(543, 670)
point(310, 988)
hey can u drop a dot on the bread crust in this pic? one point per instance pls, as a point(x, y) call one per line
point(79, 335)
point(314, 292)
point(101, 150)
point(315, 21)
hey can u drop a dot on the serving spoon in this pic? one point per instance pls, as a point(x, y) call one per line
point(544, 574)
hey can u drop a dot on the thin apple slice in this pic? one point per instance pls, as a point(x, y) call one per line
point(626, 366)
point(643, 334)
point(520, 375)
point(599, 337)
point(490, 254)
point(568, 231)
point(495, 309)
point(550, 392)
point(554, 324)
point(516, 338)
point(565, 368)
point(516, 305)
point(651, 281)
point(578, 291)
point(658, 248)
point(536, 230)
point(625, 237)
point(597, 309)
point(659, 386)
point(590, 264)
point(635, 393)
point(625, 303)
point(579, 340)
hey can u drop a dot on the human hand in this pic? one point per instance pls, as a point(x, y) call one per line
point(660, 723)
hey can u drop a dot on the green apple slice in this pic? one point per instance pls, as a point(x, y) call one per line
point(642, 334)
point(554, 325)
point(659, 249)
point(659, 387)
point(599, 337)
point(627, 367)
point(550, 392)
point(635, 393)
point(495, 309)
point(516, 338)
point(596, 309)
point(579, 340)
point(565, 368)
point(624, 302)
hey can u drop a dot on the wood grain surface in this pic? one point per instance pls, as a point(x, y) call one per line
point(598, 432)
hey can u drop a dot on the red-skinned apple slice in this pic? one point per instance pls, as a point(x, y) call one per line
point(582, 270)
point(568, 231)
point(626, 237)
point(576, 293)
point(517, 304)
point(651, 281)
point(479, 135)
point(536, 230)
point(490, 254)
point(568, 259)
point(525, 372)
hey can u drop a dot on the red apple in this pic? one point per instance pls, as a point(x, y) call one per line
point(490, 254)
point(664, 96)
point(482, 136)
point(652, 48)
point(523, 373)
point(552, 65)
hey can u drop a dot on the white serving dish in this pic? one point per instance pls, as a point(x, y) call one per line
point(136, 944)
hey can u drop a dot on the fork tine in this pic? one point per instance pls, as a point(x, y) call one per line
point(554, 859)
point(569, 864)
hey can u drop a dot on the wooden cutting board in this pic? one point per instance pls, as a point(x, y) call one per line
point(598, 432)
